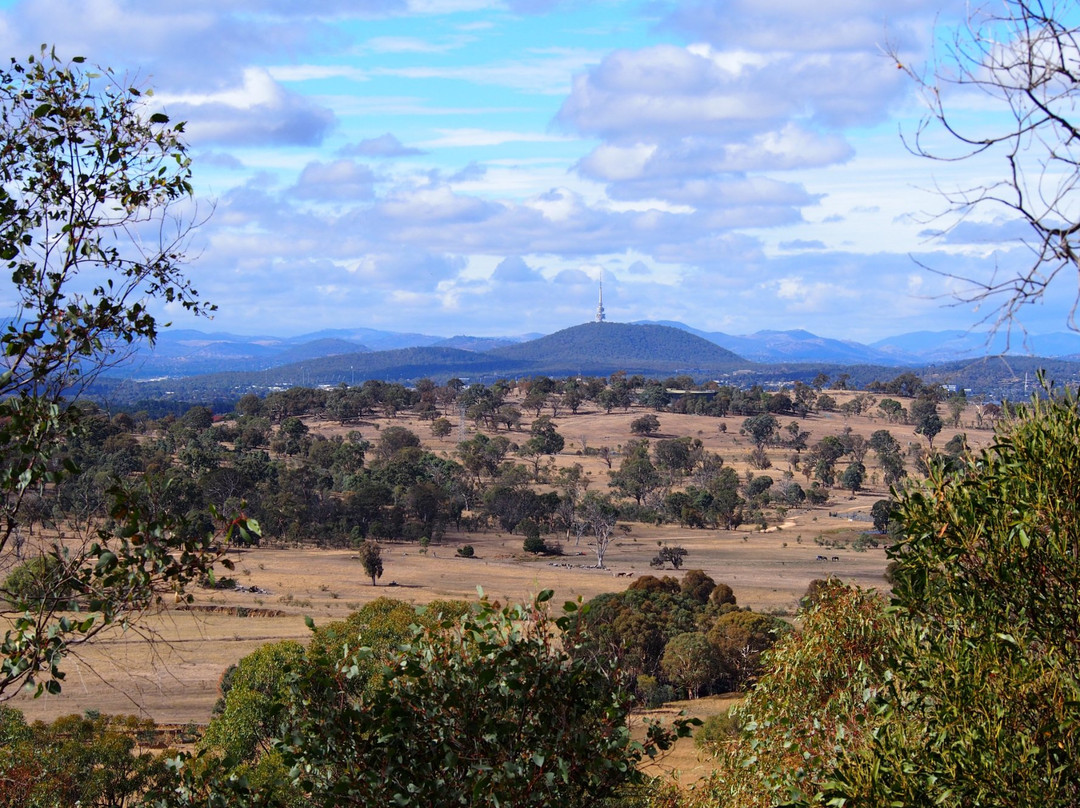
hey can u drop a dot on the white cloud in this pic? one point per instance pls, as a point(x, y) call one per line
point(336, 181)
point(463, 138)
point(298, 73)
point(545, 72)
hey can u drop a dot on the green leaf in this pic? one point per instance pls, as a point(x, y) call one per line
point(106, 561)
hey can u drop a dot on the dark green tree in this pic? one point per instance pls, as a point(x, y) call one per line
point(925, 417)
point(690, 662)
point(647, 424)
point(637, 477)
point(371, 559)
point(761, 428)
point(853, 477)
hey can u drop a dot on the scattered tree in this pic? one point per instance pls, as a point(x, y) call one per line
point(669, 555)
point(646, 425)
point(371, 559)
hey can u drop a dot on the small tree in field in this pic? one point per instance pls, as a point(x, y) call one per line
point(669, 555)
point(371, 558)
point(646, 425)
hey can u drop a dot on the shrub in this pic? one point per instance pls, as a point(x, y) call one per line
point(40, 582)
point(466, 551)
point(535, 545)
point(499, 708)
point(716, 730)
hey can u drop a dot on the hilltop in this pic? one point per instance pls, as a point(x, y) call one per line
point(600, 348)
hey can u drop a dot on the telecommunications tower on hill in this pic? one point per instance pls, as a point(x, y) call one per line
point(600, 302)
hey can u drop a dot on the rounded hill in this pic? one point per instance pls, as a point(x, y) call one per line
point(602, 348)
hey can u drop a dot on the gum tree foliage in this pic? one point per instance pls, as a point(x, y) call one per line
point(812, 702)
point(497, 707)
point(690, 662)
point(91, 179)
point(669, 555)
point(90, 760)
point(982, 703)
point(637, 477)
point(1022, 57)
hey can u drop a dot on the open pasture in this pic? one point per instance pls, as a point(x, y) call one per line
point(168, 668)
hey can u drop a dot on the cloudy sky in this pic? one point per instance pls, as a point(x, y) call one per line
point(473, 166)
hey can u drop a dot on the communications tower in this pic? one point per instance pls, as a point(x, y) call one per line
point(600, 302)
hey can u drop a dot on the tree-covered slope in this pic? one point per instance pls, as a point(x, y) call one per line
point(606, 347)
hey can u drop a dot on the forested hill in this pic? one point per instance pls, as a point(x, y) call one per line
point(397, 365)
point(599, 348)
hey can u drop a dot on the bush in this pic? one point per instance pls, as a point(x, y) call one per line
point(817, 494)
point(984, 664)
point(41, 582)
point(717, 730)
point(466, 551)
point(721, 594)
point(500, 708)
point(535, 545)
point(645, 425)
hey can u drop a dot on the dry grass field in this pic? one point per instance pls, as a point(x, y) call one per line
point(173, 677)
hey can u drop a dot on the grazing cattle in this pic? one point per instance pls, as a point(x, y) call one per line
point(822, 558)
point(836, 558)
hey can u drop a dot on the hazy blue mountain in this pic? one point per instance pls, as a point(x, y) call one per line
point(318, 348)
point(401, 364)
point(945, 346)
point(792, 346)
point(482, 344)
point(187, 352)
point(373, 338)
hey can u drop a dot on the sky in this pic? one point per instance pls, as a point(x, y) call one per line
point(477, 166)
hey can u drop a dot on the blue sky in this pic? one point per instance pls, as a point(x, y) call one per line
point(472, 166)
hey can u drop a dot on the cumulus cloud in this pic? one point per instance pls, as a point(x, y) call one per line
point(681, 153)
point(762, 89)
point(385, 145)
point(336, 181)
point(830, 25)
point(471, 173)
point(257, 111)
point(414, 272)
point(573, 277)
point(515, 270)
point(802, 244)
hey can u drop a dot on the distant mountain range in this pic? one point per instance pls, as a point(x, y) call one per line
point(183, 353)
point(915, 348)
point(243, 364)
